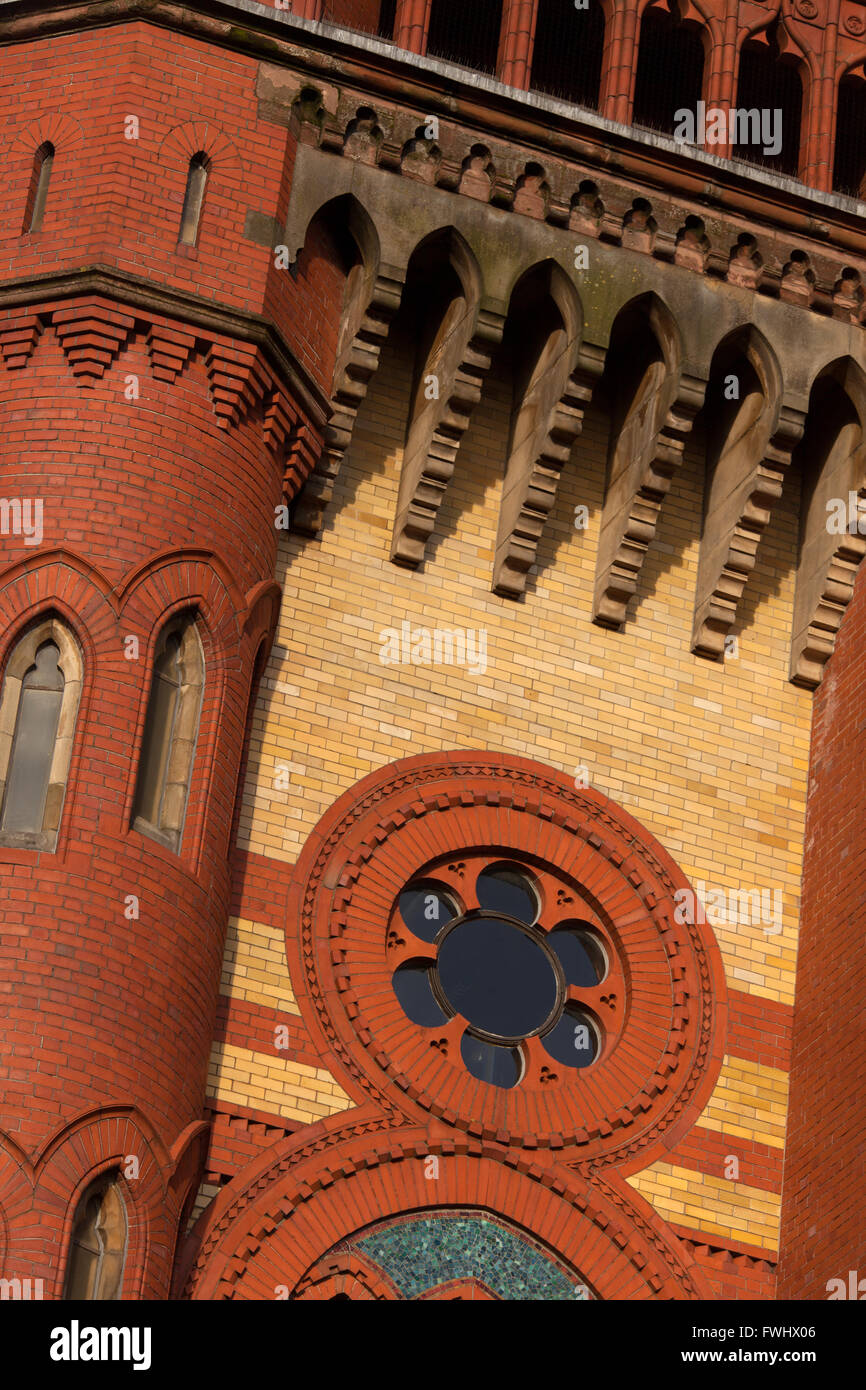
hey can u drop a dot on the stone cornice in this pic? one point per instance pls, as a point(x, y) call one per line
point(191, 309)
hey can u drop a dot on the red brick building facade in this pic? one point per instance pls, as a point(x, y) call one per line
point(243, 245)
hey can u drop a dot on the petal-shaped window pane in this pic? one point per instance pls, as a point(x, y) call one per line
point(507, 889)
point(412, 986)
point(500, 1066)
point(426, 907)
point(574, 1041)
point(580, 953)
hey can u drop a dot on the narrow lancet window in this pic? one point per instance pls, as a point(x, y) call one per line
point(37, 194)
point(170, 734)
point(97, 1248)
point(199, 167)
point(38, 708)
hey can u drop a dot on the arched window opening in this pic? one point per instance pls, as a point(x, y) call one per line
point(849, 164)
point(769, 82)
point(196, 182)
point(465, 34)
point(566, 58)
point(37, 193)
point(670, 70)
point(170, 734)
point(38, 708)
point(97, 1247)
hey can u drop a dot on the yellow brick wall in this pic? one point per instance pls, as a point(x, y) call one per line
point(711, 758)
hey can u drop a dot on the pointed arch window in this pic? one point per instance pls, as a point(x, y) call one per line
point(38, 710)
point(849, 163)
point(37, 194)
point(465, 34)
point(193, 203)
point(170, 733)
point(98, 1244)
point(568, 51)
point(670, 69)
point(770, 81)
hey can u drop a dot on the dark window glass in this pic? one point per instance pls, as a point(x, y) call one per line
point(573, 1040)
point(502, 888)
point(412, 985)
point(566, 58)
point(499, 1066)
point(157, 733)
point(498, 977)
point(579, 954)
point(670, 71)
point(387, 15)
point(768, 83)
point(425, 908)
point(849, 166)
point(33, 744)
point(465, 34)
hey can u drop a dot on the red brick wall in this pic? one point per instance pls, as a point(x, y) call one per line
point(824, 1199)
point(149, 506)
point(117, 202)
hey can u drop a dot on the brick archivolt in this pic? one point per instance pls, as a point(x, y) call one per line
point(270, 1228)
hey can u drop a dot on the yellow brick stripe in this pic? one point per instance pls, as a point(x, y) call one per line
point(750, 1101)
point(279, 1085)
point(711, 1205)
point(254, 966)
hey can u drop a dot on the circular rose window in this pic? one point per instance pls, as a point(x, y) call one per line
point(481, 941)
point(509, 956)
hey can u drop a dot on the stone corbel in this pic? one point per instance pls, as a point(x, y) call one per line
point(355, 369)
point(533, 475)
point(733, 525)
point(635, 495)
point(438, 429)
point(826, 571)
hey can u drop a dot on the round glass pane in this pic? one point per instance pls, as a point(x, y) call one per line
point(425, 908)
point(573, 1041)
point(500, 1066)
point(411, 983)
point(506, 889)
point(579, 953)
point(500, 979)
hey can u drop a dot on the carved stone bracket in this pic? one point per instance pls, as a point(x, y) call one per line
point(435, 437)
point(732, 530)
point(631, 512)
point(831, 546)
point(354, 371)
point(523, 515)
point(812, 647)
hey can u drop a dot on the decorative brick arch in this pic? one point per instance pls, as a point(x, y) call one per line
point(58, 128)
point(268, 1231)
point(348, 1274)
point(191, 137)
point(385, 831)
point(80, 1152)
